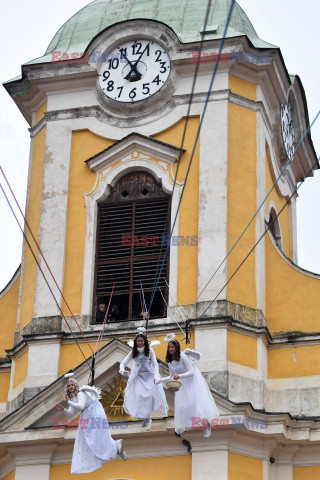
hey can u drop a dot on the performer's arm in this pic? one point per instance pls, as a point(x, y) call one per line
point(69, 411)
point(166, 379)
point(125, 363)
point(155, 365)
point(80, 404)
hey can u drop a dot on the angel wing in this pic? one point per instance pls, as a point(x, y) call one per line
point(193, 354)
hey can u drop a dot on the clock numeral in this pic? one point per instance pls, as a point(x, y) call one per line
point(105, 75)
point(158, 52)
point(145, 89)
point(123, 52)
point(157, 80)
point(110, 86)
point(132, 93)
point(136, 48)
point(113, 63)
point(119, 88)
point(163, 68)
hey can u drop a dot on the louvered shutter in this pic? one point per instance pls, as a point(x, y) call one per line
point(131, 226)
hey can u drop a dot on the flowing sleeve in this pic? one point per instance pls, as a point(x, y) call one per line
point(166, 379)
point(188, 365)
point(154, 364)
point(69, 411)
point(81, 402)
point(126, 361)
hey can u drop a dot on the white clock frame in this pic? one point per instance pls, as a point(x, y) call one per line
point(111, 39)
point(134, 71)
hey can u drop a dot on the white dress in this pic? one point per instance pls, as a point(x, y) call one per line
point(143, 398)
point(93, 445)
point(193, 403)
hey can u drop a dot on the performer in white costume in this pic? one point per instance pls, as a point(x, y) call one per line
point(143, 397)
point(193, 403)
point(93, 445)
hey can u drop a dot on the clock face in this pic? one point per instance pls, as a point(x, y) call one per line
point(287, 129)
point(134, 71)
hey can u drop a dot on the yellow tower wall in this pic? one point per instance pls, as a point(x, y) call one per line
point(21, 369)
point(292, 297)
point(241, 195)
point(242, 349)
point(33, 217)
point(8, 316)
point(189, 209)
point(244, 468)
point(81, 180)
point(156, 468)
point(306, 473)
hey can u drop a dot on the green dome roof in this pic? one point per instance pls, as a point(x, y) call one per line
point(184, 17)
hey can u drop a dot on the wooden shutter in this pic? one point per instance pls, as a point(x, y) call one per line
point(131, 227)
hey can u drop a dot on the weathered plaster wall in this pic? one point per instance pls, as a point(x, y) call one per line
point(28, 278)
point(241, 201)
point(143, 468)
point(8, 314)
point(21, 369)
point(293, 300)
point(242, 349)
point(81, 179)
point(188, 214)
point(306, 473)
point(244, 468)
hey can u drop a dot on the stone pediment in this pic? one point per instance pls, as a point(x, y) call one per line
point(134, 146)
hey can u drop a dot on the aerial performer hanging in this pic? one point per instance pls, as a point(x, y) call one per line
point(194, 405)
point(143, 397)
point(93, 445)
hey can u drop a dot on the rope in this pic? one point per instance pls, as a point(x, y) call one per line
point(195, 143)
point(257, 242)
point(103, 323)
point(40, 251)
point(195, 76)
point(259, 208)
point(44, 277)
point(167, 307)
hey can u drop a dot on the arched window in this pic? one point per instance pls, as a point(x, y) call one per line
point(133, 224)
point(274, 227)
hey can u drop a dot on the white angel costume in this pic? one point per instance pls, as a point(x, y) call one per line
point(93, 444)
point(193, 403)
point(143, 398)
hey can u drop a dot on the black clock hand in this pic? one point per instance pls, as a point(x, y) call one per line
point(133, 69)
point(134, 66)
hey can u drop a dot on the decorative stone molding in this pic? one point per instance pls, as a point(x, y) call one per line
point(132, 153)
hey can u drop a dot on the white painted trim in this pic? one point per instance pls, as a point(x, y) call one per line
point(272, 205)
point(108, 178)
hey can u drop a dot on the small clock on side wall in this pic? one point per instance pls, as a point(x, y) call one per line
point(287, 128)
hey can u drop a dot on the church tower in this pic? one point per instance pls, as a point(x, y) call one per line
point(124, 151)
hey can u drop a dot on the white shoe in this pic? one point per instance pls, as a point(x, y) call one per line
point(206, 432)
point(122, 454)
point(148, 425)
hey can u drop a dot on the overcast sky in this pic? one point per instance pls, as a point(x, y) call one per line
point(26, 30)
